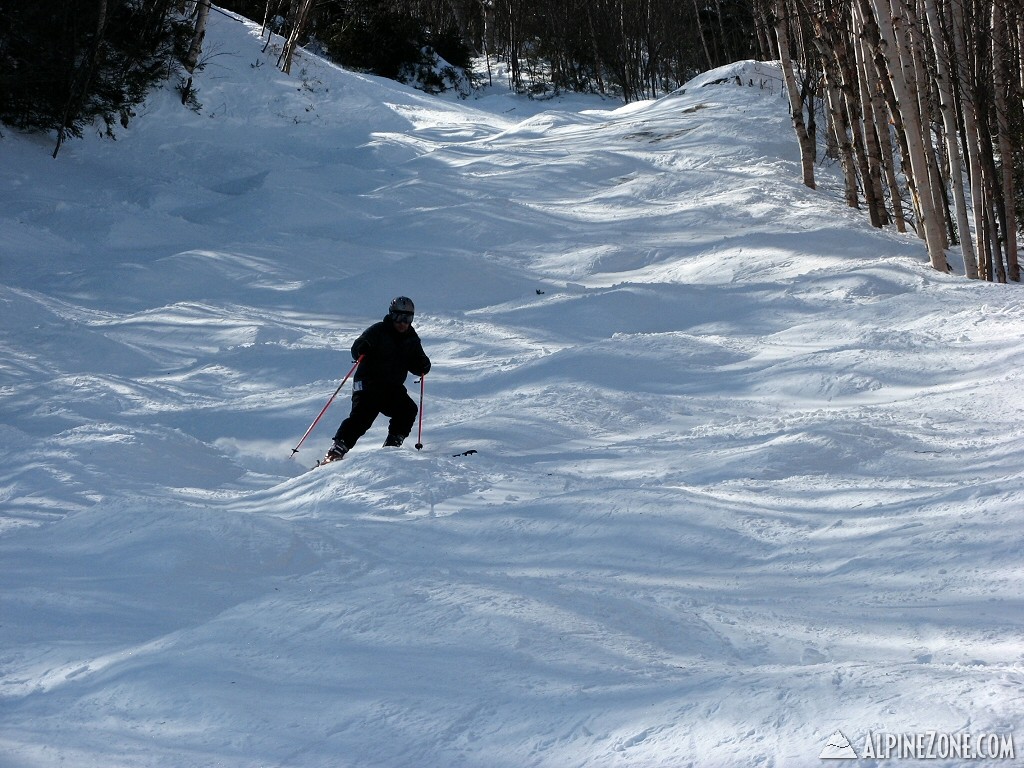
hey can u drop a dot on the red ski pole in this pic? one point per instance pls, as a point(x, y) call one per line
point(347, 375)
point(419, 440)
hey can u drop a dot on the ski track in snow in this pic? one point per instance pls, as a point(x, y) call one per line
point(747, 470)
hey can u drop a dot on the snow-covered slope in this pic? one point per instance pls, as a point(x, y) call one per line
point(747, 471)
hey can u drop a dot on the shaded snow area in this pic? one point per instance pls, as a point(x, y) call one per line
point(748, 476)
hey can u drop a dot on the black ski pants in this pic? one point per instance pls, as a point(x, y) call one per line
point(367, 404)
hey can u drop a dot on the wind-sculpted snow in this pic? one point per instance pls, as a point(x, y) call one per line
point(711, 469)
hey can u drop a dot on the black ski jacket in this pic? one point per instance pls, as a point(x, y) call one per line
point(389, 356)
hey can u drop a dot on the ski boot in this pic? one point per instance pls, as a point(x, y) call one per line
point(336, 453)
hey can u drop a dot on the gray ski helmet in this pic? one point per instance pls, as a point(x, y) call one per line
point(401, 305)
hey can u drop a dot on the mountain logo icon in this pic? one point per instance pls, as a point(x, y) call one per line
point(838, 747)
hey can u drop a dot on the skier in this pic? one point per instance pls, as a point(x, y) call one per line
point(390, 350)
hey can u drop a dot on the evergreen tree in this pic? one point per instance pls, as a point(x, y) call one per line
point(68, 64)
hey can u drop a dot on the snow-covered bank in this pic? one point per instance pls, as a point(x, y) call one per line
point(747, 470)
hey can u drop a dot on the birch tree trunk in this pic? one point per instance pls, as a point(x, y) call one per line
point(865, 145)
point(196, 47)
point(902, 70)
point(943, 78)
point(298, 26)
point(844, 140)
point(700, 32)
point(888, 103)
point(871, 105)
point(972, 137)
point(915, 47)
point(840, 126)
point(871, 77)
point(827, 43)
point(1008, 218)
point(796, 105)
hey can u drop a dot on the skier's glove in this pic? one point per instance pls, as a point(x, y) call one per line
point(360, 348)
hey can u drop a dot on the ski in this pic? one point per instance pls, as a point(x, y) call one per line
point(324, 461)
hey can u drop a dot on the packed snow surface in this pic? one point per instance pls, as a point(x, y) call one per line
point(747, 479)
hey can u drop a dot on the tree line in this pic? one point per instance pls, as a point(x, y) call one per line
point(66, 65)
point(923, 107)
point(920, 102)
point(632, 49)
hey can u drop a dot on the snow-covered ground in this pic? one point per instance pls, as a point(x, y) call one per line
point(747, 473)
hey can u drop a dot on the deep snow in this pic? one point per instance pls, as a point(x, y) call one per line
point(748, 471)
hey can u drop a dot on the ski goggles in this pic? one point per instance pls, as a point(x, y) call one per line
point(401, 317)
